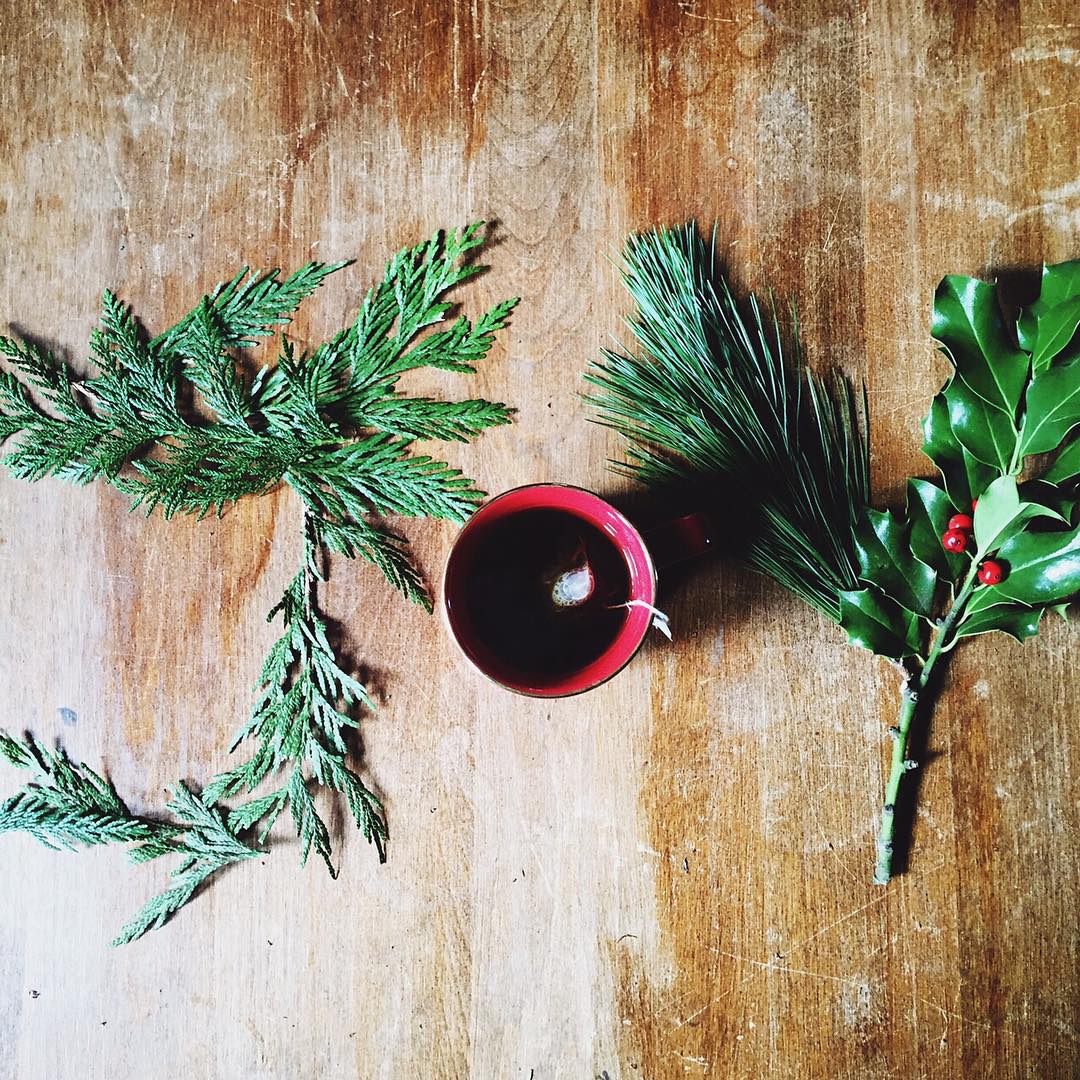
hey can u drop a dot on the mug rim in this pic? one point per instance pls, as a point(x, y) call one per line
point(567, 687)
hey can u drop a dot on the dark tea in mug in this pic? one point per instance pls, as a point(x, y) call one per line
point(514, 604)
point(549, 590)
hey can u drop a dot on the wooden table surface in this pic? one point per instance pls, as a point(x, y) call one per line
point(667, 877)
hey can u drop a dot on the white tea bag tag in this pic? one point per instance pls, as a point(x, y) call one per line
point(660, 621)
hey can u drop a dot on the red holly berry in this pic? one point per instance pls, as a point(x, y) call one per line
point(955, 541)
point(963, 522)
point(991, 573)
point(974, 505)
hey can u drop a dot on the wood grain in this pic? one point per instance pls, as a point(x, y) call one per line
point(670, 876)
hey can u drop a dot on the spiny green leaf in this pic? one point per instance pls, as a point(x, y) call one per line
point(881, 625)
point(1052, 408)
point(1043, 568)
point(968, 324)
point(887, 561)
point(1056, 498)
point(1066, 465)
point(965, 476)
point(1017, 620)
point(1048, 325)
point(986, 432)
point(929, 508)
point(1001, 513)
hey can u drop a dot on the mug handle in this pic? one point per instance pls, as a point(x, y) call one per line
point(681, 538)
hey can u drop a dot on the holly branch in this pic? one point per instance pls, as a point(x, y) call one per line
point(712, 412)
point(994, 544)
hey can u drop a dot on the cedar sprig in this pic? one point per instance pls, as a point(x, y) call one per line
point(330, 423)
point(67, 805)
point(210, 843)
point(178, 423)
point(306, 702)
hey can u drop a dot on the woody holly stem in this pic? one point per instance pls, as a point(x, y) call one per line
point(915, 684)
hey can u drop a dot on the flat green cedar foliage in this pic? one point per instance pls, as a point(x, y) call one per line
point(177, 422)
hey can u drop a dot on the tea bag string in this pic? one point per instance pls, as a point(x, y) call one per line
point(659, 620)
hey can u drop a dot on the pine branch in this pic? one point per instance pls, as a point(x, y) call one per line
point(710, 404)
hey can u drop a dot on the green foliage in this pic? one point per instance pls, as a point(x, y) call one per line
point(929, 509)
point(67, 805)
point(1048, 326)
point(968, 323)
point(877, 622)
point(1052, 408)
point(963, 474)
point(1001, 514)
point(177, 422)
point(709, 403)
point(1066, 465)
point(883, 543)
point(305, 704)
point(1015, 620)
point(1004, 403)
point(209, 844)
point(1044, 567)
point(986, 432)
point(331, 423)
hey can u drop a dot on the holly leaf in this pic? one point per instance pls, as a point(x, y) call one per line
point(880, 624)
point(1046, 327)
point(964, 475)
point(1052, 408)
point(986, 432)
point(1067, 464)
point(985, 597)
point(1042, 568)
point(929, 509)
point(998, 505)
point(1001, 513)
point(968, 324)
point(887, 561)
point(1017, 620)
point(1063, 503)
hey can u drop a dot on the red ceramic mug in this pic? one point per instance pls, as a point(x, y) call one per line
point(640, 556)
